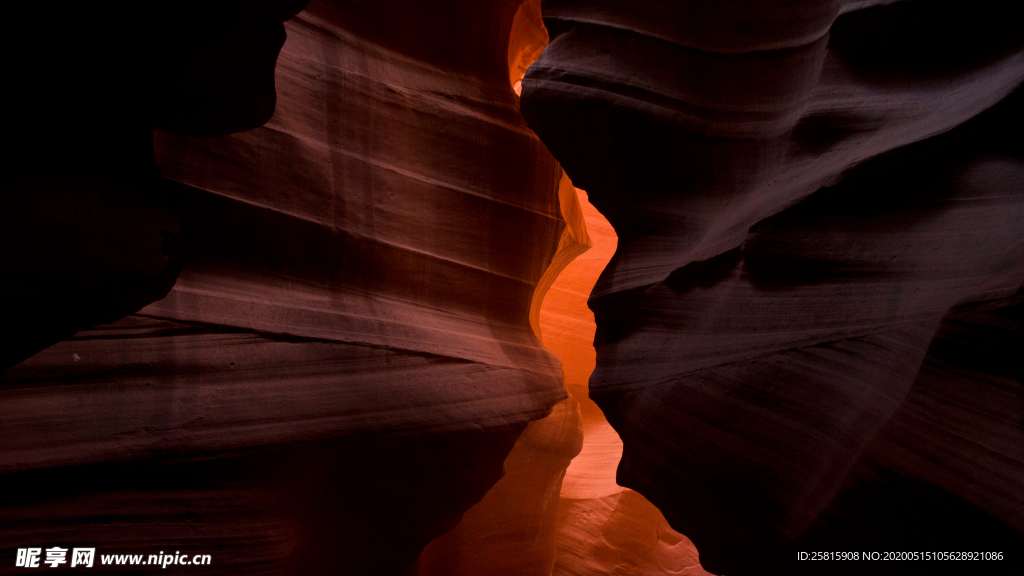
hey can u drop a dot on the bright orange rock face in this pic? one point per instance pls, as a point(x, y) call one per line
point(549, 515)
point(602, 528)
point(558, 509)
point(526, 42)
point(620, 534)
point(568, 330)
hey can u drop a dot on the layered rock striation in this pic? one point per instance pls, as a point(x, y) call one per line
point(801, 194)
point(316, 346)
point(558, 509)
point(346, 356)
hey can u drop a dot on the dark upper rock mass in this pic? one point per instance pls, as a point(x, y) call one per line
point(88, 233)
point(820, 210)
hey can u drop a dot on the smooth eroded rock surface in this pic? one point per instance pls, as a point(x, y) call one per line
point(347, 356)
point(801, 193)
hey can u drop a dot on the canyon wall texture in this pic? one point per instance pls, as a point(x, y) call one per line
point(319, 305)
point(558, 509)
point(346, 356)
point(819, 209)
point(602, 528)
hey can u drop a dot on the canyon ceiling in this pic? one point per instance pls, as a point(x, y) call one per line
point(507, 287)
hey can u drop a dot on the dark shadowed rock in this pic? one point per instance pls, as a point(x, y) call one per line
point(801, 193)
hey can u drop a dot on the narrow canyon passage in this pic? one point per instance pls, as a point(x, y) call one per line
point(550, 514)
point(602, 528)
point(307, 287)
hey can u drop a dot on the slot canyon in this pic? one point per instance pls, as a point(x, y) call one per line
point(514, 288)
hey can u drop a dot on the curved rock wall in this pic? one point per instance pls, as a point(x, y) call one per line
point(602, 528)
point(548, 515)
point(801, 192)
point(347, 355)
point(513, 529)
point(808, 338)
